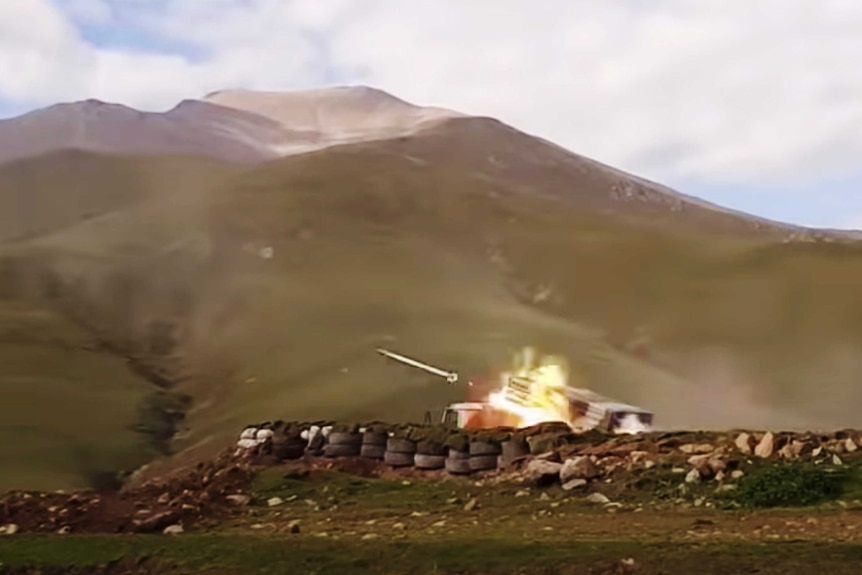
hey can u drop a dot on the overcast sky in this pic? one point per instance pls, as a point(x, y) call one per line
point(754, 104)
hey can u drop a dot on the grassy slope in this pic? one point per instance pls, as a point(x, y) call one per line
point(66, 403)
point(66, 406)
point(441, 246)
point(692, 313)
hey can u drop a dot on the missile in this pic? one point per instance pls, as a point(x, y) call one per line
point(450, 376)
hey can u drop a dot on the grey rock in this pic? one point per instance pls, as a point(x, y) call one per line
point(574, 484)
point(766, 446)
point(598, 498)
point(581, 467)
point(239, 500)
point(538, 468)
point(744, 443)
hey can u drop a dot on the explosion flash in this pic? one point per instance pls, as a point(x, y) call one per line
point(540, 392)
point(543, 398)
point(534, 392)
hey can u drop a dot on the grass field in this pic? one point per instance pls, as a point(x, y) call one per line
point(463, 555)
point(66, 406)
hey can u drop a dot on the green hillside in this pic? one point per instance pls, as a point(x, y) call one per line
point(457, 246)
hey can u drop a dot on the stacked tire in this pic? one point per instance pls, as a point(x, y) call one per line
point(399, 452)
point(484, 455)
point(511, 450)
point(430, 456)
point(343, 444)
point(288, 447)
point(315, 445)
point(458, 462)
point(373, 444)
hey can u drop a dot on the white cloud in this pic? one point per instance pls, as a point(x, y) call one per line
point(752, 91)
point(40, 52)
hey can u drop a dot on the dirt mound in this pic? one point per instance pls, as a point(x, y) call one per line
point(209, 491)
point(704, 464)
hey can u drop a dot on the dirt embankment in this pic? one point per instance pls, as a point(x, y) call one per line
point(689, 468)
point(202, 494)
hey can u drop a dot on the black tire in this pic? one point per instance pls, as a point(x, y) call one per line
point(341, 438)
point(372, 451)
point(288, 448)
point(341, 450)
point(483, 462)
point(484, 448)
point(375, 438)
point(456, 455)
point(458, 466)
point(431, 448)
point(398, 459)
point(425, 461)
point(313, 452)
point(397, 445)
point(512, 450)
point(316, 443)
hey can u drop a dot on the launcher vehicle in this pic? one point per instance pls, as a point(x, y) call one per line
point(537, 395)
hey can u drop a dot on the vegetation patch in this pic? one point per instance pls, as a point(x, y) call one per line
point(792, 484)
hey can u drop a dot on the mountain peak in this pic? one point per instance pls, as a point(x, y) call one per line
point(336, 114)
point(87, 107)
point(341, 92)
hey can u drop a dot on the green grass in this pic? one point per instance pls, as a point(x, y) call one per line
point(793, 484)
point(67, 406)
point(473, 555)
point(354, 492)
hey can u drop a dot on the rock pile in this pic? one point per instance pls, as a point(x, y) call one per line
point(694, 457)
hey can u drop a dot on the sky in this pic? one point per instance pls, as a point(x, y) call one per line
point(752, 104)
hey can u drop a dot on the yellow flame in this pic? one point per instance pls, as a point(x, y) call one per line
point(547, 401)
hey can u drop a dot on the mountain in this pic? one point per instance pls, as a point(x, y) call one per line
point(321, 118)
point(260, 290)
point(191, 128)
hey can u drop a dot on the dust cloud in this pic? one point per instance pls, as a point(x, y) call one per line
point(723, 392)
